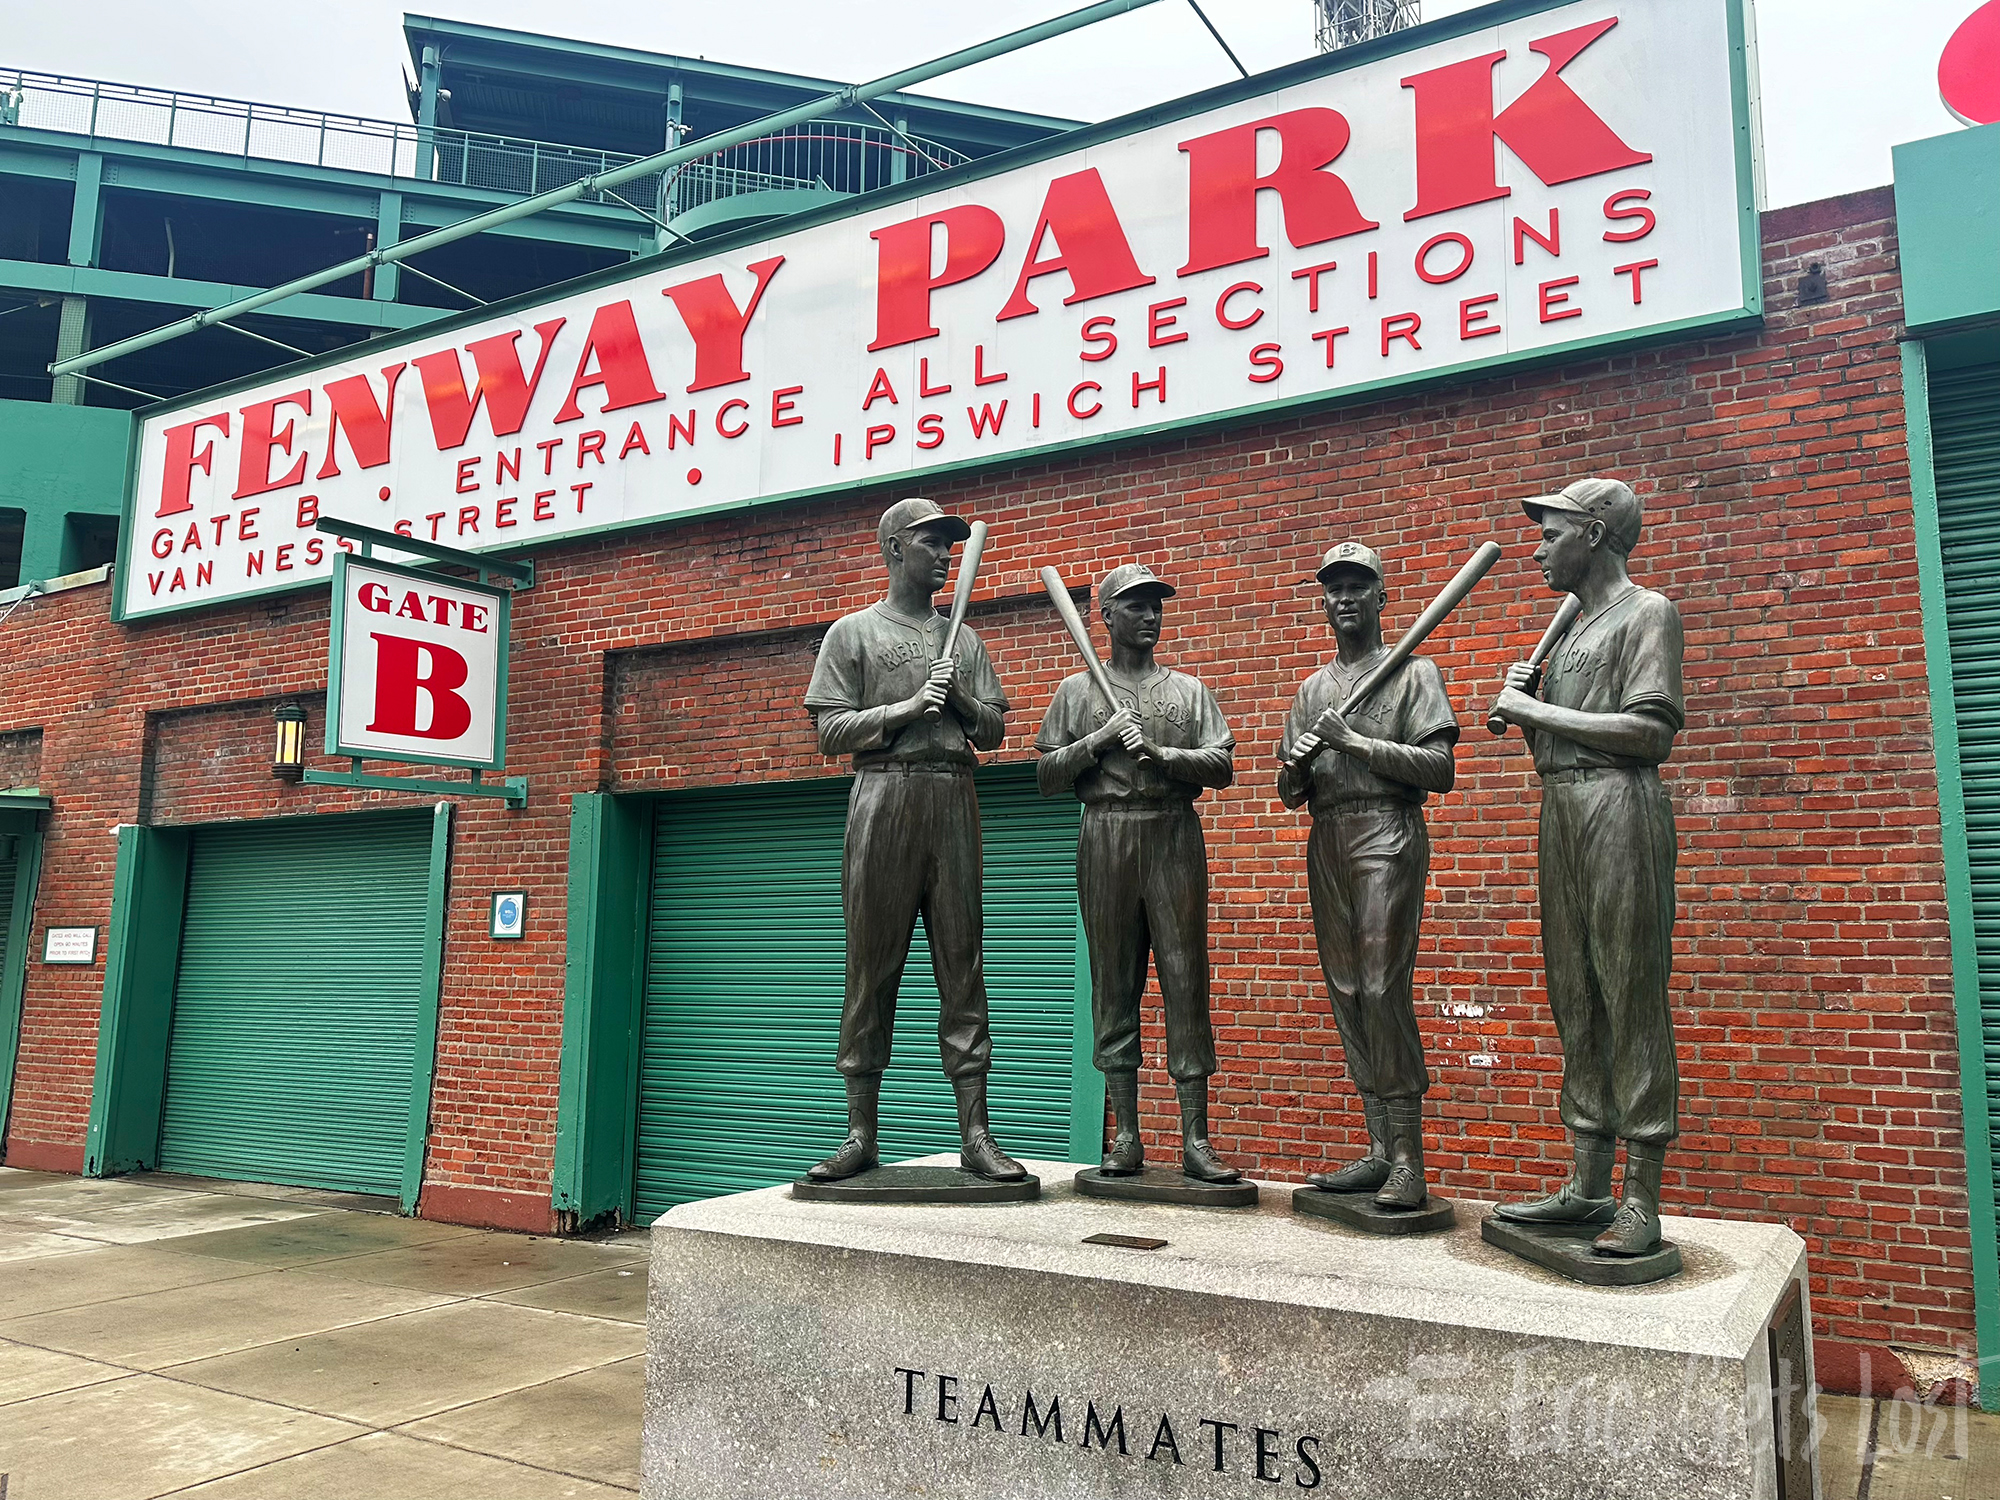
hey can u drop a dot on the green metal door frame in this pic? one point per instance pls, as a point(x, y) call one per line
point(1086, 1084)
point(141, 957)
point(23, 825)
point(610, 855)
point(1976, 1106)
point(424, 1070)
point(141, 964)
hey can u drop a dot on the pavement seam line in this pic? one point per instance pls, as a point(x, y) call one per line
point(267, 1343)
point(268, 1463)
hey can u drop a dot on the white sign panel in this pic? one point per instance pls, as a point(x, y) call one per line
point(1561, 181)
point(69, 945)
point(419, 668)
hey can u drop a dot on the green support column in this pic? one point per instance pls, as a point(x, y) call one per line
point(141, 958)
point(86, 225)
point(1960, 896)
point(72, 338)
point(388, 231)
point(610, 844)
point(427, 106)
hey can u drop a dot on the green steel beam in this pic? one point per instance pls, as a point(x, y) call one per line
point(521, 573)
point(86, 213)
point(299, 187)
point(135, 286)
point(645, 166)
point(603, 227)
point(513, 791)
point(1975, 1105)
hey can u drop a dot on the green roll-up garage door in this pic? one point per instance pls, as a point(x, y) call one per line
point(1965, 434)
point(10, 865)
point(744, 982)
point(293, 1051)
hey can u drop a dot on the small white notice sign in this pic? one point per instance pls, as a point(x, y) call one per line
point(69, 945)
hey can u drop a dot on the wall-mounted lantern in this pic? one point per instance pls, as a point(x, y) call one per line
point(288, 762)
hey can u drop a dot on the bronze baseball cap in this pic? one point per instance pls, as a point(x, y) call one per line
point(1350, 555)
point(1608, 500)
point(914, 512)
point(1129, 576)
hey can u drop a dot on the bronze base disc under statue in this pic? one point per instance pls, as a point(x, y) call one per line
point(1360, 1211)
point(1158, 1185)
point(901, 1184)
point(1565, 1249)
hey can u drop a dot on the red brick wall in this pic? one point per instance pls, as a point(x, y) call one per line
point(1812, 978)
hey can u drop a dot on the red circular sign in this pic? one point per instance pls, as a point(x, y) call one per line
point(1969, 71)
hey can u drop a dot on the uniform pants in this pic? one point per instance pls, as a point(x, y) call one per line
point(1142, 880)
point(913, 850)
point(1607, 874)
point(1366, 867)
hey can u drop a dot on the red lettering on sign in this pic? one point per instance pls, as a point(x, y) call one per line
point(1222, 313)
point(880, 389)
point(1102, 342)
point(352, 407)
point(1090, 245)
point(1558, 136)
point(1223, 186)
point(903, 281)
point(1551, 242)
point(986, 419)
point(622, 371)
point(503, 386)
point(407, 671)
point(717, 324)
point(182, 460)
point(1617, 210)
point(930, 430)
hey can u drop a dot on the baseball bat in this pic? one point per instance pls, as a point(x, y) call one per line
point(1073, 623)
point(961, 600)
point(1449, 598)
point(1566, 615)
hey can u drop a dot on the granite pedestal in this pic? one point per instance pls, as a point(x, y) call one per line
point(986, 1352)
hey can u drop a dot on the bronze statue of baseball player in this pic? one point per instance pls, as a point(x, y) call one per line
point(1138, 765)
point(912, 719)
point(1366, 774)
point(1611, 705)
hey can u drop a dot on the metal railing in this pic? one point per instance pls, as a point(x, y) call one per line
point(822, 154)
point(840, 158)
point(304, 137)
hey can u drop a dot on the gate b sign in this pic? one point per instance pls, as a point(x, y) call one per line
point(418, 669)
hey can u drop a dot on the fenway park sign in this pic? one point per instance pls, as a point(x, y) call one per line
point(1520, 183)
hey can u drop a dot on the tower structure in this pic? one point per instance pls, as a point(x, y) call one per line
point(1342, 23)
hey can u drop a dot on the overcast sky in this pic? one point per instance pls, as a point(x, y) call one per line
point(1842, 80)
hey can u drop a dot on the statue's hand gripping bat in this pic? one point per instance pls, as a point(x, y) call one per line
point(1073, 623)
point(961, 599)
point(1448, 599)
point(1566, 615)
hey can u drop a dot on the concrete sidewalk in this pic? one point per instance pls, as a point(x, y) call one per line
point(166, 1336)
